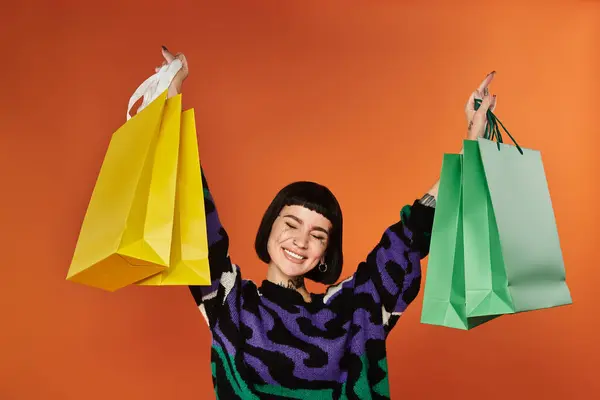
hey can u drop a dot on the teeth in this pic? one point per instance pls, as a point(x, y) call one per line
point(299, 257)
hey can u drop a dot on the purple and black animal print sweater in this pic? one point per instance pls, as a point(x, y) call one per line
point(268, 343)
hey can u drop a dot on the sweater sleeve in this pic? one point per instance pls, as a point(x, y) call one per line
point(391, 274)
point(225, 276)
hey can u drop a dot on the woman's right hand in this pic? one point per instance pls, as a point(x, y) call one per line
point(182, 74)
point(477, 119)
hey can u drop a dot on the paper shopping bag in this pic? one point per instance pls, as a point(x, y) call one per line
point(189, 252)
point(127, 229)
point(486, 285)
point(526, 226)
point(444, 300)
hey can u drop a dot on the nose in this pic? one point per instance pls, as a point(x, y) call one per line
point(301, 240)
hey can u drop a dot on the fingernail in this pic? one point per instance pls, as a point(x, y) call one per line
point(492, 73)
point(165, 48)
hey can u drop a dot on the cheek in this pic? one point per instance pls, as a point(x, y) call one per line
point(279, 235)
point(271, 245)
point(317, 251)
point(276, 237)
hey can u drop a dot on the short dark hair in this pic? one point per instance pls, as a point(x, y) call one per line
point(319, 199)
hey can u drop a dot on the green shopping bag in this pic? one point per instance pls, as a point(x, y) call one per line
point(444, 300)
point(486, 284)
point(526, 226)
point(513, 261)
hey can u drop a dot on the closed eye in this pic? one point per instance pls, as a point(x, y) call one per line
point(290, 225)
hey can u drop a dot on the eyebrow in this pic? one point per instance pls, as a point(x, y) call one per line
point(298, 220)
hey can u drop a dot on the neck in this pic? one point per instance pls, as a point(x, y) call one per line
point(274, 275)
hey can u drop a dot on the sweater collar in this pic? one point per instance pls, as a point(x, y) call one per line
point(280, 294)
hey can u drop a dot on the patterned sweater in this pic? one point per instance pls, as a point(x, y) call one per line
point(268, 343)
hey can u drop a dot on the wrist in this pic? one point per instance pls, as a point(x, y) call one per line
point(433, 192)
point(427, 200)
point(430, 198)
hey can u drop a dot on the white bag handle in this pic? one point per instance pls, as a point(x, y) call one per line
point(155, 85)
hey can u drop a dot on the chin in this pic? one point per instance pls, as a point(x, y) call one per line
point(292, 270)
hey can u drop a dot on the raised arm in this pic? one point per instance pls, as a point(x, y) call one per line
point(390, 277)
point(225, 277)
point(394, 265)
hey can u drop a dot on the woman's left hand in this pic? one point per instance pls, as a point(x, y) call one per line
point(477, 119)
point(182, 74)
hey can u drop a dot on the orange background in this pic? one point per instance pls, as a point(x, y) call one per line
point(364, 97)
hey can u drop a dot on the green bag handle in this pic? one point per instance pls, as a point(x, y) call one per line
point(493, 131)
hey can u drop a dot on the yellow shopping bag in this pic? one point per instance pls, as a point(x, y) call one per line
point(127, 230)
point(189, 251)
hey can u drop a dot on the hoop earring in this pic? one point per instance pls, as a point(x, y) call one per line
point(323, 267)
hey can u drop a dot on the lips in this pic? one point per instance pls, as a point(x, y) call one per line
point(292, 256)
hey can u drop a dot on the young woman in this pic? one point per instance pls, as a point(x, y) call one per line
point(275, 340)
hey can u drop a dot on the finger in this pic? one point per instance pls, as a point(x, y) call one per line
point(167, 55)
point(485, 83)
point(480, 116)
point(485, 105)
point(470, 106)
point(184, 64)
point(493, 105)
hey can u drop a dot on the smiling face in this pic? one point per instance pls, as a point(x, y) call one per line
point(298, 240)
